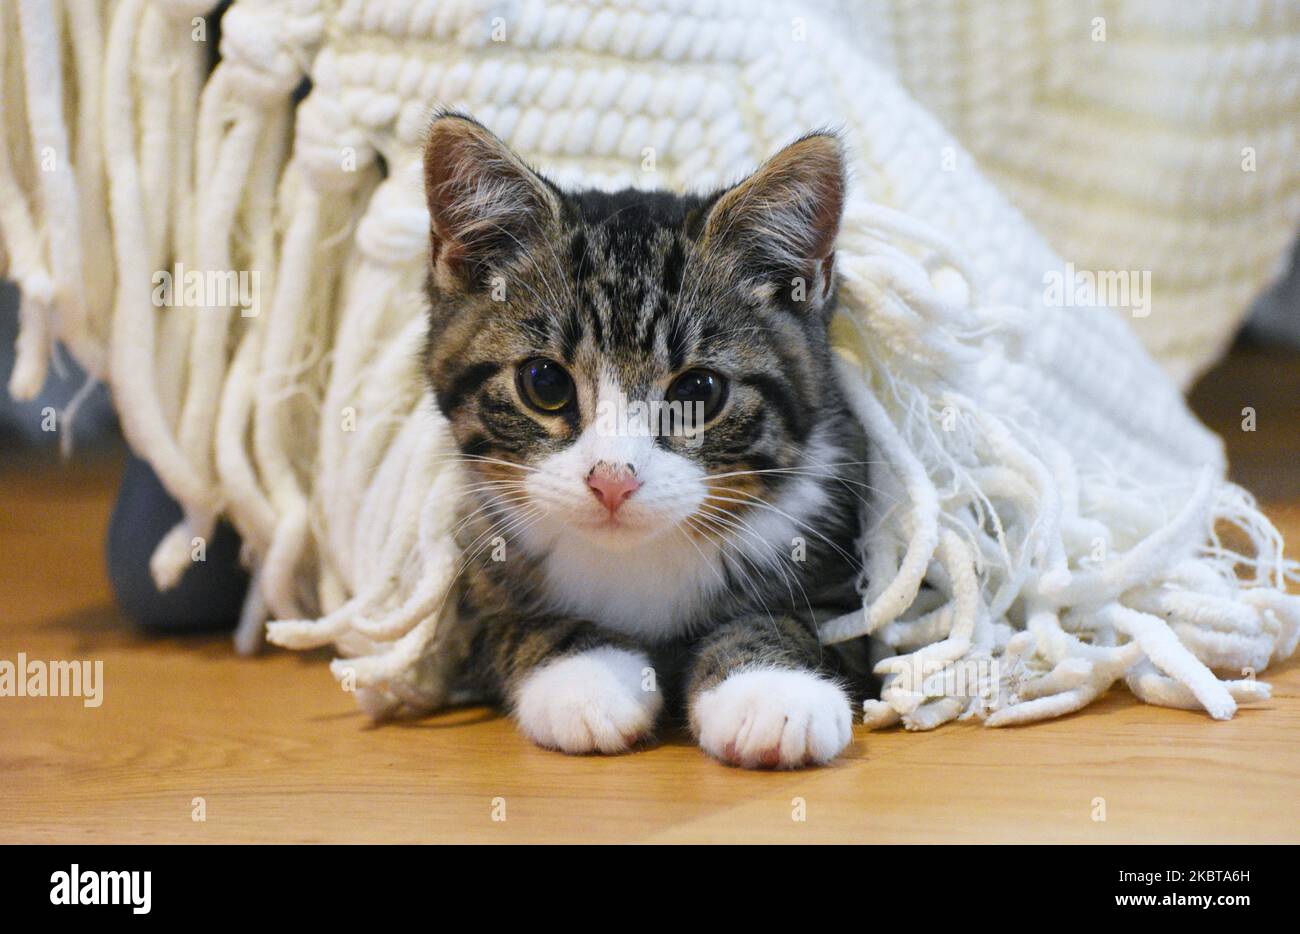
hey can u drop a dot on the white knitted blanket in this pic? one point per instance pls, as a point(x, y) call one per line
point(1158, 135)
point(1036, 468)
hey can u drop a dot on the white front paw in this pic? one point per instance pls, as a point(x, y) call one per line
point(595, 701)
point(773, 718)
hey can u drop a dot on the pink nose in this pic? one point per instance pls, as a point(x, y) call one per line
point(612, 485)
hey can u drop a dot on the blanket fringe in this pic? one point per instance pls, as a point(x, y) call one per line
point(1097, 595)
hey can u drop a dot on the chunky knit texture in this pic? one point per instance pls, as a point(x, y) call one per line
point(1159, 135)
point(1037, 469)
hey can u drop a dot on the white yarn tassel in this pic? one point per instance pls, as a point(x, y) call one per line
point(23, 246)
point(330, 164)
point(133, 337)
point(263, 54)
point(43, 73)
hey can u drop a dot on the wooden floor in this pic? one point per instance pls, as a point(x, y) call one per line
point(277, 752)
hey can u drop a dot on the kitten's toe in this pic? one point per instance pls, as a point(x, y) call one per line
point(591, 702)
point(773, 718)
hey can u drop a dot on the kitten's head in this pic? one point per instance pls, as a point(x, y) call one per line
point(621, 369)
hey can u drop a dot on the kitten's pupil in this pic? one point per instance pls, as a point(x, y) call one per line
point(703, 387)
point(545, 385)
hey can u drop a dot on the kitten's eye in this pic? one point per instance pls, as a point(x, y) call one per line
point(545, 385)
point(700, 386)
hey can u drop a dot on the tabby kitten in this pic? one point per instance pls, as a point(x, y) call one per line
point(665, 483)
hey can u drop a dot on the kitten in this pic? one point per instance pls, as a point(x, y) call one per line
point(665, 483)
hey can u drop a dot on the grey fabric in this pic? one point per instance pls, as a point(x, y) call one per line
point(209, 594)
point(21, 422)
point(1276, 315)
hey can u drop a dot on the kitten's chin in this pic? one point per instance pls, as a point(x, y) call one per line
point(619, 534)
point(627, 530)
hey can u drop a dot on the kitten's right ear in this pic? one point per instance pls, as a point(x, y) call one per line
point(782, 221)
point(485, 205)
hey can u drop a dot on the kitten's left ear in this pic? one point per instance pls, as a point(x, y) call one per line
point(781, 222)
point(485, 205)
